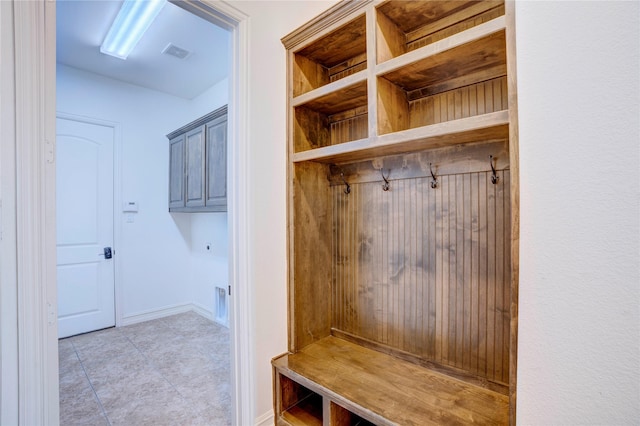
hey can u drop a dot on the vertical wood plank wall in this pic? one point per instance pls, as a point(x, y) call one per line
point(417, 40)
point(351, 128)
point(427, 271)
point(468, 101)
point(310, 303)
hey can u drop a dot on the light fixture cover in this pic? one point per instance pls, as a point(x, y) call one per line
point(134, 18)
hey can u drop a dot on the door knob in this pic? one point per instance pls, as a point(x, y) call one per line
point(107, 253)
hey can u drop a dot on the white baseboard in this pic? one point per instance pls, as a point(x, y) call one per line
point(199, 309)
point(265, 420)
point(164, 312)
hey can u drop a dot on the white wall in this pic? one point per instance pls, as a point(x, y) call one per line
point(156, 252)
point(9, 366)
point(578, 80)
point(269, 21)
point(208, 268)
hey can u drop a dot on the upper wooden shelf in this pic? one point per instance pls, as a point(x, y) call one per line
point(387, 390)
point(404, 26)
point(320, 63)
point(338, 96)
point(479, 128)
point(473, 41)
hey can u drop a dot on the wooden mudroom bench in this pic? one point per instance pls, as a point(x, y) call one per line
point(336, 382)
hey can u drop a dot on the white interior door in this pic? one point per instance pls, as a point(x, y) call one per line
point(84, 210)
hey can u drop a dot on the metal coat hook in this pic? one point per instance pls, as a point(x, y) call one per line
point(347, 188)
point(434, 179)
point(385, 185)
point(494, 176)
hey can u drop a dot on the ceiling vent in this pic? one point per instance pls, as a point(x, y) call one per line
point(176, 51)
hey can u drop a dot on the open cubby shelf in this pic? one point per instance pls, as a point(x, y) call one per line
point(455, 78)
point(404, 26)
point(332, 119)
point(402, 216)
point(320, 63)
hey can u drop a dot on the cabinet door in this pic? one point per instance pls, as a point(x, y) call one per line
point(217, 164)
point(195, 167)
point(176, 172)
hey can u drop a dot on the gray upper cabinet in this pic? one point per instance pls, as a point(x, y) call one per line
point(195, 170)
point(176, 172)
point(198, 165)
point(217, 162)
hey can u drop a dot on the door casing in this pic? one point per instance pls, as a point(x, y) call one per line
point(28, 62)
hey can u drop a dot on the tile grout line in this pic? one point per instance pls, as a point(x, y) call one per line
point(104, 411)
point(193, 403)
point(154, 366)
point(170, 327)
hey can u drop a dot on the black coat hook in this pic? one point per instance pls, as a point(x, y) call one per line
point(434, 179)
point(385, 185)
point(347, 188)
point(494, 176)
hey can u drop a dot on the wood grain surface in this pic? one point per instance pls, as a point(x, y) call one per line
point(427, 271)
point(386, 390)
point(402, 303)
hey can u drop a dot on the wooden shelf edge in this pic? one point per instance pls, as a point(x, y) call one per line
point(331, 88)
point(462, 125)
point(464, 37)
point(486, 126)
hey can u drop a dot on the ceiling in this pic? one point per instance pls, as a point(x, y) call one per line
point(82, 25)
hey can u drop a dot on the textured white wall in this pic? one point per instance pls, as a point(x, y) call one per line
point(208, 269)
point(157, 250)
point(578, 78)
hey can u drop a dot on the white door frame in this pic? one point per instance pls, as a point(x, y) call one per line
point(27, 50)
point(117, 201)
point(28, 60)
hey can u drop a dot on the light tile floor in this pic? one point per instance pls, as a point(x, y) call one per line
point(169, 371)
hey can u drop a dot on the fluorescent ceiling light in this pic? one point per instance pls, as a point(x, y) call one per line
point(133, 20)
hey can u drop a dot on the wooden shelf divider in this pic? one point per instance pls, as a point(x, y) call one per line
point(487, 127)
point(330, 90)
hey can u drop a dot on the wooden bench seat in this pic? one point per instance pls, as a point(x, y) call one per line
point(376, 387)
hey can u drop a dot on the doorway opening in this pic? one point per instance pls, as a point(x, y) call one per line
point(126, 171)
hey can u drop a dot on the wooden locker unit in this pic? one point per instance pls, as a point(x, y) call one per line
point(402, 216)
